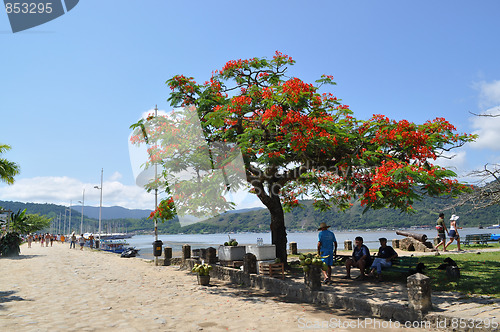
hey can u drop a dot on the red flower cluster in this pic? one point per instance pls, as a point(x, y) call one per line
point(274, 111)
point(295, 88)
point(283, 58)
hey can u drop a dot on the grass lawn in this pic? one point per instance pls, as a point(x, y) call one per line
point(479, 273)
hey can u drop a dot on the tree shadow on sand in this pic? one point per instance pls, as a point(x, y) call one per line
point(20, 257)
point(8, 296)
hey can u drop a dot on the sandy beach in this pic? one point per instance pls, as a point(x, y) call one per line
point(61, 289)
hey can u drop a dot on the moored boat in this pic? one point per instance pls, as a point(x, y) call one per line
point(114, 245)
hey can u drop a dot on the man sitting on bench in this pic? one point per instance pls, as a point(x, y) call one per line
point(385, 255)
point(360, 259)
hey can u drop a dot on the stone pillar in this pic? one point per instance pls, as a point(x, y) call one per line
point(419, 293)
point(293, 248)
point(312, 278)
point(186, 251)
point(249, 263)
point(395, 243)
point(211, 255)
point(168, 256)
point(203, 253)
point(347, 245)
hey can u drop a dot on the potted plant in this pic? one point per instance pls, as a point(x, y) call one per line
point(203, 271)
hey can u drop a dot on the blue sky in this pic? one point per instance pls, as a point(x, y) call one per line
point(70, 89)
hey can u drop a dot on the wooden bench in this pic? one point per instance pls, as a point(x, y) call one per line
point(272, 270)
point(402, 264)
point(477, 239)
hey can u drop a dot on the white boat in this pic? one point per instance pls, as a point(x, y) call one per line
point(114, 245)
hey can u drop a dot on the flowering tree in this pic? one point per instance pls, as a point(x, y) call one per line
point(297, 141)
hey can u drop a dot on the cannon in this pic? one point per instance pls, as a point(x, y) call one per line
point(420, 237)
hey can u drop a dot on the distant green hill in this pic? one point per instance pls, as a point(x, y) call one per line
point(307, 219)
point(300, 219)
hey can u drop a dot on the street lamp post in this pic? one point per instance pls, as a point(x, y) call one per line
point(64, 223)
point(156, 197)
point(100, 208)
point(69, 222)
point(83, 203)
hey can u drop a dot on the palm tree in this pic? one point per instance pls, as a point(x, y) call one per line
point(8, 169)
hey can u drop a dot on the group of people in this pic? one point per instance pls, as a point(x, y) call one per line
point(81, 241)
point(452, 233)
point(50, 238)
point(45, 238)
point(327, 249)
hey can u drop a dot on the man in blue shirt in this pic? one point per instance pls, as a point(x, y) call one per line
point(360, 258)
point(327, 248)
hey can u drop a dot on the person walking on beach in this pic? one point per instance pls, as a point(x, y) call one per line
point(47, 239)
point(441, 229)
point(62, 238)
point(52, 239)
point(327, 248)
point(30, 239)
point(91, 241)
point(453, 234)
point(81, 240)
point(73, 240)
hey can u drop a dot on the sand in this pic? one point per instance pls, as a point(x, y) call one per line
point(62, 289)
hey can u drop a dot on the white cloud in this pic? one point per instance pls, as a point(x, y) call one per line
point(489, 93)
point(115, 176)
point(454, 162)
point(488, 129)
point(62, 190)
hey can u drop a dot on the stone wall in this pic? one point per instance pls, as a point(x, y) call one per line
point(297, 291)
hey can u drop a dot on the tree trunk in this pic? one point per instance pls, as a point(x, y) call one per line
point(278, 229)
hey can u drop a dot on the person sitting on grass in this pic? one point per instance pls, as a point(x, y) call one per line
point(360, 259)
point(327, 248)
point(385, 255)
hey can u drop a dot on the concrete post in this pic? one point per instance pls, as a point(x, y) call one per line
point(186, 251)
point(211, 255)
point(293, 248)
point(419, 293)
point(168, 256)
point(312, 278)
point(347, 245)
point(250, 263)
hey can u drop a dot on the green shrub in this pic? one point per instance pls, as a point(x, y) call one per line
point(9, 244)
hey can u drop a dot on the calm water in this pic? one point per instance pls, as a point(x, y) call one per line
point(308, 240)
